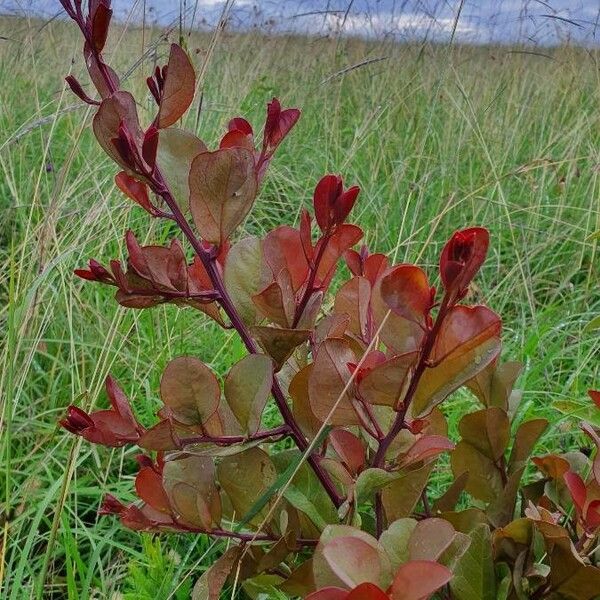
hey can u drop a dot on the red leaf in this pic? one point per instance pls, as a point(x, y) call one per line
point(426, 447)
point(418, 579)
point(135, 190)
point(349, 448)
point(462, 257)
point(577, 489)
point(179, 88)
point(464, 328)
point(406, 291)
point(149, 487)
point(595, 396)
point(367, 591)
point(278, 124)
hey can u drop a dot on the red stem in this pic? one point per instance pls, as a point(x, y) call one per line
point(226, 440)
point(308, 291)
point(399, 422)
point(205, 256)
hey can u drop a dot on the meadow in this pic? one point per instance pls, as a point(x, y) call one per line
point(438, 137)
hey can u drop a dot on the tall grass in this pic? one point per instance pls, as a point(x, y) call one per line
point(437, 138)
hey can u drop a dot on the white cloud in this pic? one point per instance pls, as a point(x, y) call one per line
point(406, 24)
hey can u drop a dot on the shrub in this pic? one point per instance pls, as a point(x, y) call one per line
point(347, 512)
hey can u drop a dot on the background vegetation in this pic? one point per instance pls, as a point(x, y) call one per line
point(437, 137)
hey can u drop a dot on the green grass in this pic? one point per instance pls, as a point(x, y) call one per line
point(438, 138)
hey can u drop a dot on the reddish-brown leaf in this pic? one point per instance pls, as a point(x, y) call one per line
point(190, 390)
point(222, 190)
point(353, 299)
point(418, 580)
point(328, 387)
point(247, 389)
point(189, 483)
point(349, 448)
point(386, 383)
point(179, 88)
point(283, 249)
point(116, 109)
point(279, 343)
point(465, 328)
point(406, 291)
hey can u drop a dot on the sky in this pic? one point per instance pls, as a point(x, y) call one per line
point(535, 22)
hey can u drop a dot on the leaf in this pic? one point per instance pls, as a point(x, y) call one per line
point(328, 381)
point(210, 584)
point(352, 560)
point(395, 540)
point(349, 448)
point(179, 87)
point(305, 492)
point(247, 389)
point(242, 276)
point(222, 190)
point(346, 557)
point(485, 481)
point(474, 576)
point(386, 383)
point(439, 382)
point(372, 480)
point(426, 447)
point(463, 329)
point(407, 293)
point(502, 508)
point(177, 149)
point(190, 486)
point(526, 437)
point(583, 411)
point(190, 390)
point(430, 538)
point(400, 335)
point(488, 430)
point(245, 477)
point(283, 251)
point(301, 409)
point(279, 343)
point(418, 579)
point(116, 108)
point(493, 385)
point(401, 496)
point(353, 299)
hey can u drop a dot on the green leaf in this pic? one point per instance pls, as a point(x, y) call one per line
point(305, 491)
point(247, 478)
point(279, 482)
point(594, 323)
point(395, 540)
point(222, 190)
point(584, 411)
point(474, 576)
point(372, 480)
point(247, 389)
point(177, 149)
point(242, 276)
point(190, 389)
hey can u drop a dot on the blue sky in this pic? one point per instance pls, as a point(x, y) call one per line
point(542, 22)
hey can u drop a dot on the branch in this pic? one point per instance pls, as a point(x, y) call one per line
point(399, 422)
point(227, 440)
point(160, 187)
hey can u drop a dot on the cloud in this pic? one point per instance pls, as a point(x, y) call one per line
point(405, 25)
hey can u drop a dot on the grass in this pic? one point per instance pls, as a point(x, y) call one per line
point(437, 138)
